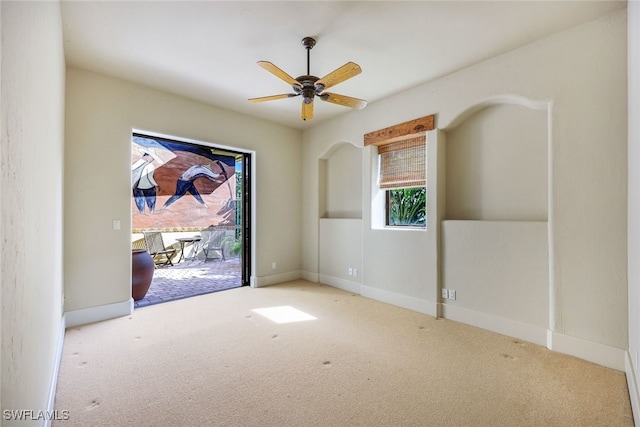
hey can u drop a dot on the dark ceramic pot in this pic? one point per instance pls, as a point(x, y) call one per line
point(142, 267)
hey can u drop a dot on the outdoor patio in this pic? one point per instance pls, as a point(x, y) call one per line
point(191, 278)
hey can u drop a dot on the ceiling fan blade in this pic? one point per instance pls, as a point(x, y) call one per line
point(345, 101)
point(278, 73)
point(272, 97)
point(307, 111)
point(339, 75)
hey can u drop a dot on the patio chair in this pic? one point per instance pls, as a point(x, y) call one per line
point(161, 254)
point(212, 244)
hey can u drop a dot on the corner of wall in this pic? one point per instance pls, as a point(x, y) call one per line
point(632, 385)
point(55, 371)
point(97, 314)
point(310, 276)
point(601, 354)
point(274, 279)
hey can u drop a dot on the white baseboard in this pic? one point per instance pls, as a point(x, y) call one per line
point(499, 325)
point(337, 282)
point(632, 385)
point(56, 370)
point(96, 314)
point(274, 279)
point(411, 303)
point(310, 277)
point(602, 354)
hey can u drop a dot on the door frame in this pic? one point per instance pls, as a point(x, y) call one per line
point(248, 203)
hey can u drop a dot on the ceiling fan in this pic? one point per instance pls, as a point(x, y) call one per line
point(309, 86)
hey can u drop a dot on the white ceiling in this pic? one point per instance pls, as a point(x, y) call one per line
point(207, 50)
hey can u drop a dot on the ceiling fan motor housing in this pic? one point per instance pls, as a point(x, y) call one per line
point(309, 88)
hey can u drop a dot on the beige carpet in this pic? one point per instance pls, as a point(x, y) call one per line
point(213, 361)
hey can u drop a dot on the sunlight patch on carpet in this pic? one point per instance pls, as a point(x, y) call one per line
point(284, 314)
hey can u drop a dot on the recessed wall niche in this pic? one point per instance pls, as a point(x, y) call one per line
point(341, 182)
point(497, 165)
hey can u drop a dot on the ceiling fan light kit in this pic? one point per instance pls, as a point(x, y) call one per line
point(309, 86)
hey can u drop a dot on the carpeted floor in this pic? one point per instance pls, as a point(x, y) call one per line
point(335, 359)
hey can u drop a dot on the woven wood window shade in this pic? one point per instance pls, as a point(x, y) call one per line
point(403, 163)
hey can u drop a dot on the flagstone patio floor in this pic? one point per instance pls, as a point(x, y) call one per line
point(192, 278)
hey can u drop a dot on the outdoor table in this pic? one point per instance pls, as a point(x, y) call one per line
point(183, 242)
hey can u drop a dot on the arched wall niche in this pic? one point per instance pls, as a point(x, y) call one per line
point(340, 181)
point(497, 161)
point(496, 249)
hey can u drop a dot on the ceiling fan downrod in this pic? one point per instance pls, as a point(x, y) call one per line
point(308, 43)
point(308, 82)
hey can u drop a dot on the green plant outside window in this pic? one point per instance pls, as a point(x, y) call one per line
point(407, 207)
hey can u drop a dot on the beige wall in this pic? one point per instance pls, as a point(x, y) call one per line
point(581, 75)
point(101, 113)
point(31, 165)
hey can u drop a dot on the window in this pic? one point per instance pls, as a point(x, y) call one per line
point(406, 207)
point(402, 175)
point(399, 197)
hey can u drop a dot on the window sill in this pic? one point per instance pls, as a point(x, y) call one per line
point(401, 228)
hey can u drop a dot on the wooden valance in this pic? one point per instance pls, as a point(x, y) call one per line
point(401, 131)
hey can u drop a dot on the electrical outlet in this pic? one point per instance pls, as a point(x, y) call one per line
point(273, 265)
point(116, 224)
point(355, 271)
point(445, 293)
point(452, 294)
point(350, 271)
